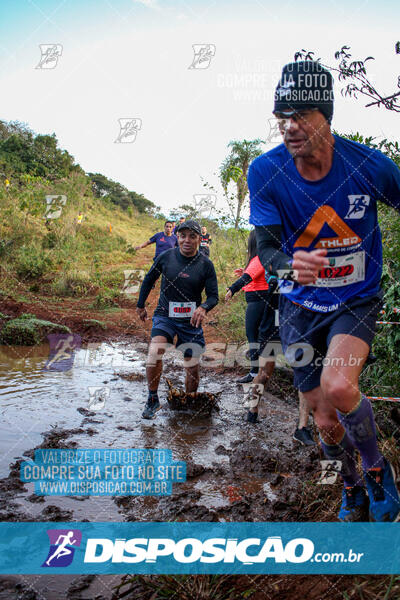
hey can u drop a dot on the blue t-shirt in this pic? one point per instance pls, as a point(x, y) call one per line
point(163, 242)
point(337, 212)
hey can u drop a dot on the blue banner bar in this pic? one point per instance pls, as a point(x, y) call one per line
point(193, 548)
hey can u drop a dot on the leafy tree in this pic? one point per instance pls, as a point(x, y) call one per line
point(142, 204)
point(23, 152)
point(184, 210)
point(14, 127)
point(355, 73)
point(119, 194)
point(234, 170)
point(391, 149)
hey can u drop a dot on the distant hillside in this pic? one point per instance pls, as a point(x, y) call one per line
point(45, 251)
point(26, 154)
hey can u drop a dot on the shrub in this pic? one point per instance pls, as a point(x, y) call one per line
point(27, 330)
point(31, 262)
point(105, 298)
point(50, 240)
point(73, 283)
point(5, 246)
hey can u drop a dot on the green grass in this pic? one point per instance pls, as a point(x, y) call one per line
point(62, 261)
point(27, 330)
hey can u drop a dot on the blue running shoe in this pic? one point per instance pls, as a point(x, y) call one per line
point(384, 499)
point(355, 505)
point(152, 406)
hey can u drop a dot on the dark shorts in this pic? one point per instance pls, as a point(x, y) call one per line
point(311, 333)
point(269, 328)
point(190, 340)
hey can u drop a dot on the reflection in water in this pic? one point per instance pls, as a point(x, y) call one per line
point(33, 400)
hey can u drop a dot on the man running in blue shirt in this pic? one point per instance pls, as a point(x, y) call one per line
point(164, 240)
point(314, 205)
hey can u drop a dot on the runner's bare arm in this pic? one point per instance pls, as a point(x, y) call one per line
point(144, 245)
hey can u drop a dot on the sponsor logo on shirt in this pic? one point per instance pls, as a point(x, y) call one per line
point(357, 205)
point(345, 236)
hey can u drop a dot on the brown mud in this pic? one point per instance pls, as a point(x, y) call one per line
point(235, 472)
point(117, 322)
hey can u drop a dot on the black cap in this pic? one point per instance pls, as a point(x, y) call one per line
point(305, 84)
point(190, 224)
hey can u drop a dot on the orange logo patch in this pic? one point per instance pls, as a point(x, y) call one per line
point(326, 214)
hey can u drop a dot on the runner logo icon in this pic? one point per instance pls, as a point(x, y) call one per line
point(357, 205)
point(50, 53)
point(203, 53)
point(61, 552)
point(98, 395)
point(54, 206)
point(128, 129)
point(62, 351)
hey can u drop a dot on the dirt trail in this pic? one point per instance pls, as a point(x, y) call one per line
point(235, 471)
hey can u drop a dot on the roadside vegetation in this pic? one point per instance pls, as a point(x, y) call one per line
point(47, 261)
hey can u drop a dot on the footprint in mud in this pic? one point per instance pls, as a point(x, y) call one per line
point(86, 412)
point(90, 431)
point(35, 499)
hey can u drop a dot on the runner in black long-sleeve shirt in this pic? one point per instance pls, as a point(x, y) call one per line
point(185, 274)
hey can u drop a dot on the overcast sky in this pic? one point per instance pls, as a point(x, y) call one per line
point(130, 59)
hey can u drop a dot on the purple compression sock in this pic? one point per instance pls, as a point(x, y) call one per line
point(343, 451)
point(360, 427)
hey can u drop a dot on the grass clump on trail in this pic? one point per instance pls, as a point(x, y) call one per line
point(28, 330)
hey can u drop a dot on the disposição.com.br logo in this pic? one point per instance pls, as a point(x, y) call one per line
point(62, 547)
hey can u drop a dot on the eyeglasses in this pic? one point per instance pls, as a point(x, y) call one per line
point(297, 115)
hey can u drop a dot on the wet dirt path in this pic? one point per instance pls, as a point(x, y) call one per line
point(235, 471)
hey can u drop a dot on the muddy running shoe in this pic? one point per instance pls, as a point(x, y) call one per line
point(252, 417)
point(253, 395)
point(247, 378)
point(304, 436)
point(152, 406)
point(355, 505)
point(384, 499)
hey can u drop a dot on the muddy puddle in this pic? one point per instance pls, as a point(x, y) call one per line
point(235, 471)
